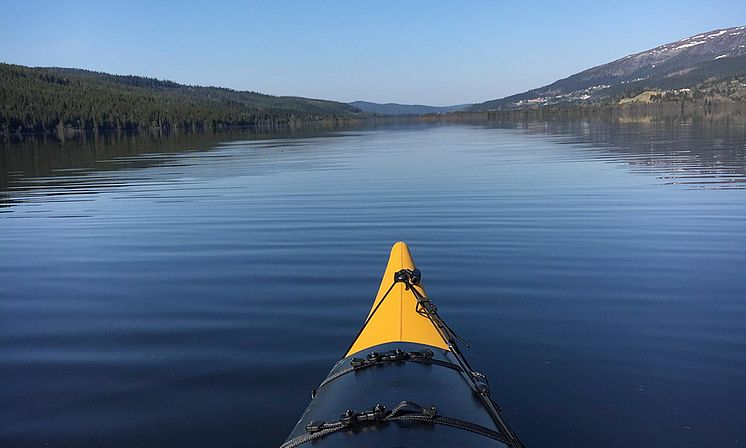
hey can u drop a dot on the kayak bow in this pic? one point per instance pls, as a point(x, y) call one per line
point(396, 319)
point(403, 381)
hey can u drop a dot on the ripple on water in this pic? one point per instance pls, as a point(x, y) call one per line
point(191, 291)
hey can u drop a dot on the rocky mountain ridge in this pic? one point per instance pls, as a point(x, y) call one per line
point(681, 64)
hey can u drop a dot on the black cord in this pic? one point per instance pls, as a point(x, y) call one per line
point(449, 335)
point(431, 313)
point(370, 316)
point(407, 411)
point(428, 309)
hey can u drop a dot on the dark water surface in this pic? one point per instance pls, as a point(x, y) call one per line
point(190, 291)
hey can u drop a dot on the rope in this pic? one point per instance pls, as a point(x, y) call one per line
point(426, 308)
point(477, 382)
point(396, 355)
point(405, 411)
point(370, 316)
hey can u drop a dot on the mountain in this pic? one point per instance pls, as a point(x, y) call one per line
point(50, 98)
point(678, 65)
point(405, 109)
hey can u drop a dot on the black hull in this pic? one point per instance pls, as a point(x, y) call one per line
point(437, 382)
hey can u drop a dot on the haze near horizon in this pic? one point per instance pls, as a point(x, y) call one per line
point(438, 54)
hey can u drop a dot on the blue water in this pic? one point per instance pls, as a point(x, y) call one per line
point(191, 290)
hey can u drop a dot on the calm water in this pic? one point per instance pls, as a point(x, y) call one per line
point(190, 291)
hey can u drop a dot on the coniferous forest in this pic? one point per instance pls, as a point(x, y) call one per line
point(61, 99)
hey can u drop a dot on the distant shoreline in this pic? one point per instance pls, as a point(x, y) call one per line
point(64, 103)
point(709, 111)
point(704, 108)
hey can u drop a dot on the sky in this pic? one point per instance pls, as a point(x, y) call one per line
point(415, 52)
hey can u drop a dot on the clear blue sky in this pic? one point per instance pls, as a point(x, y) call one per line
point(431, 52)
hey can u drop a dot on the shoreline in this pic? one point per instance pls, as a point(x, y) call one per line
point(642, 112)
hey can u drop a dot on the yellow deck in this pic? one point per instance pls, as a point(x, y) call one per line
point(397, 319)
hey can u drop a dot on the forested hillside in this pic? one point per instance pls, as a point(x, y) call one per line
point(48, 99)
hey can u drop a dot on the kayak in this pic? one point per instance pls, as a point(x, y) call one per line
point(403, 381)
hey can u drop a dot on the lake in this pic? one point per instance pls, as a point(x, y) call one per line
point(191, 290)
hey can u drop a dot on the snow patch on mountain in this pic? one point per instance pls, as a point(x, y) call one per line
point(691, 44)
point(672, 65)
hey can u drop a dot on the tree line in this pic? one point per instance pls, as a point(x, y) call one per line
point(55, 99)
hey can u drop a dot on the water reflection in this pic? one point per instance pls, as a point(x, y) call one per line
point(696, 153)
point(191, 290)
point(89, 164)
